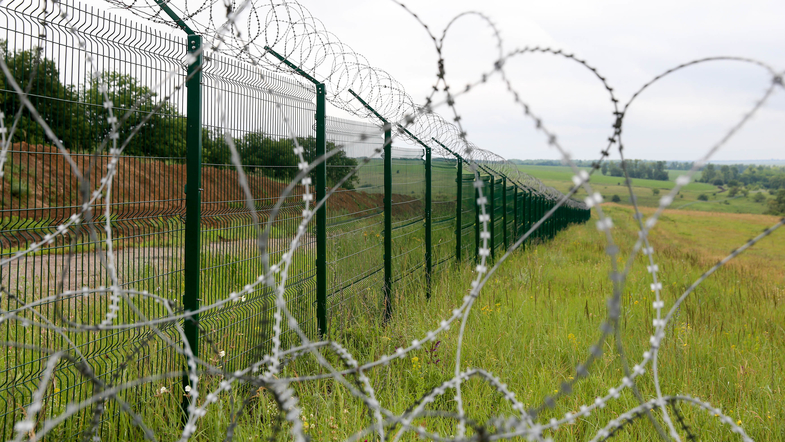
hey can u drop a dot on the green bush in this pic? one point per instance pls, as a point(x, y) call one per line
point(19, 189)
point(759, 197)
point(733, 192)
point(703, 197)
point(616, 199)
point(655, 191)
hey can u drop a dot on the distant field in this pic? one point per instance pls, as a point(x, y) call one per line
point(560, 177)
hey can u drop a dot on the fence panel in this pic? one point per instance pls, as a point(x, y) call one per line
point(355, 215)
point(249, 107)
point(444, 197)
point(40, 191)
point(498, 215)
point(468, 205)
point(408, 211)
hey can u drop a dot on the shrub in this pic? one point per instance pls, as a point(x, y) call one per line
point(777, 205)
point(703, 197)
point(733, 192)
point(616, 199)
point(18, 189)
point(655, 191)
point(759, 197)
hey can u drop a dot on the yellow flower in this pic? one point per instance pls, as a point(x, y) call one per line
point(415, 359)
point(738, 422)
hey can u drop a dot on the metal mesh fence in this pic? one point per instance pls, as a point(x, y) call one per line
point(408, 211)
point(247, 108)
point(444, 193)
point(257, 115)
point(355, 214)
point(40, 190)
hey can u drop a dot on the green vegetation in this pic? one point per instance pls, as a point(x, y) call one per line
point(82, 122)
point(717, 199)
point(652, 170)
point(735, 175)
point(532, 324)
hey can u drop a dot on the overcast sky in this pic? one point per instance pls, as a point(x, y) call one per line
point(629, 42)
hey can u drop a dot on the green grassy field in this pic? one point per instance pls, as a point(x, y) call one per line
point(560, 177)
point(536, 320)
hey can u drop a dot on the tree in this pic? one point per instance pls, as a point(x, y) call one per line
point(777, 205)
point(55, 102)
point(276, 158)
point(726, 174)
point(147, 127)
point(616, 199)
point(733, 192)
point(215, 149)
point(604, 168)
point(703, 197)
point(655, 191)
point(708, 173)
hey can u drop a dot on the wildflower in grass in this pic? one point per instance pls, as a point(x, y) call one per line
point(187, 388)
point(738, 422)
point(221, 354)
point(163, 390)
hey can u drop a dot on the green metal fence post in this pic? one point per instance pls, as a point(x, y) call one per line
point(387, 288)
point(477, 221)
point(458, 207)
point(321, 192)
point(428, 223)
point(193, 188)
point(504, 211)
point(492, 217)
point(193, 196)
point(321, 214)
point(536, 215)
point(526, 213)
point(387, 221)
point(515, 231)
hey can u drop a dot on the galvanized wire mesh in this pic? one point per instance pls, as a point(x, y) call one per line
point(253, 122)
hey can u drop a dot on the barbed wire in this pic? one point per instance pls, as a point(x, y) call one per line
point(243, 30)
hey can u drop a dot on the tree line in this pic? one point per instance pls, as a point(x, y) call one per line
point(650, 170)
point(735, 175)
point(79, 118)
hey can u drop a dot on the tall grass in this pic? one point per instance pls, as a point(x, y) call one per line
point(531, 326)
